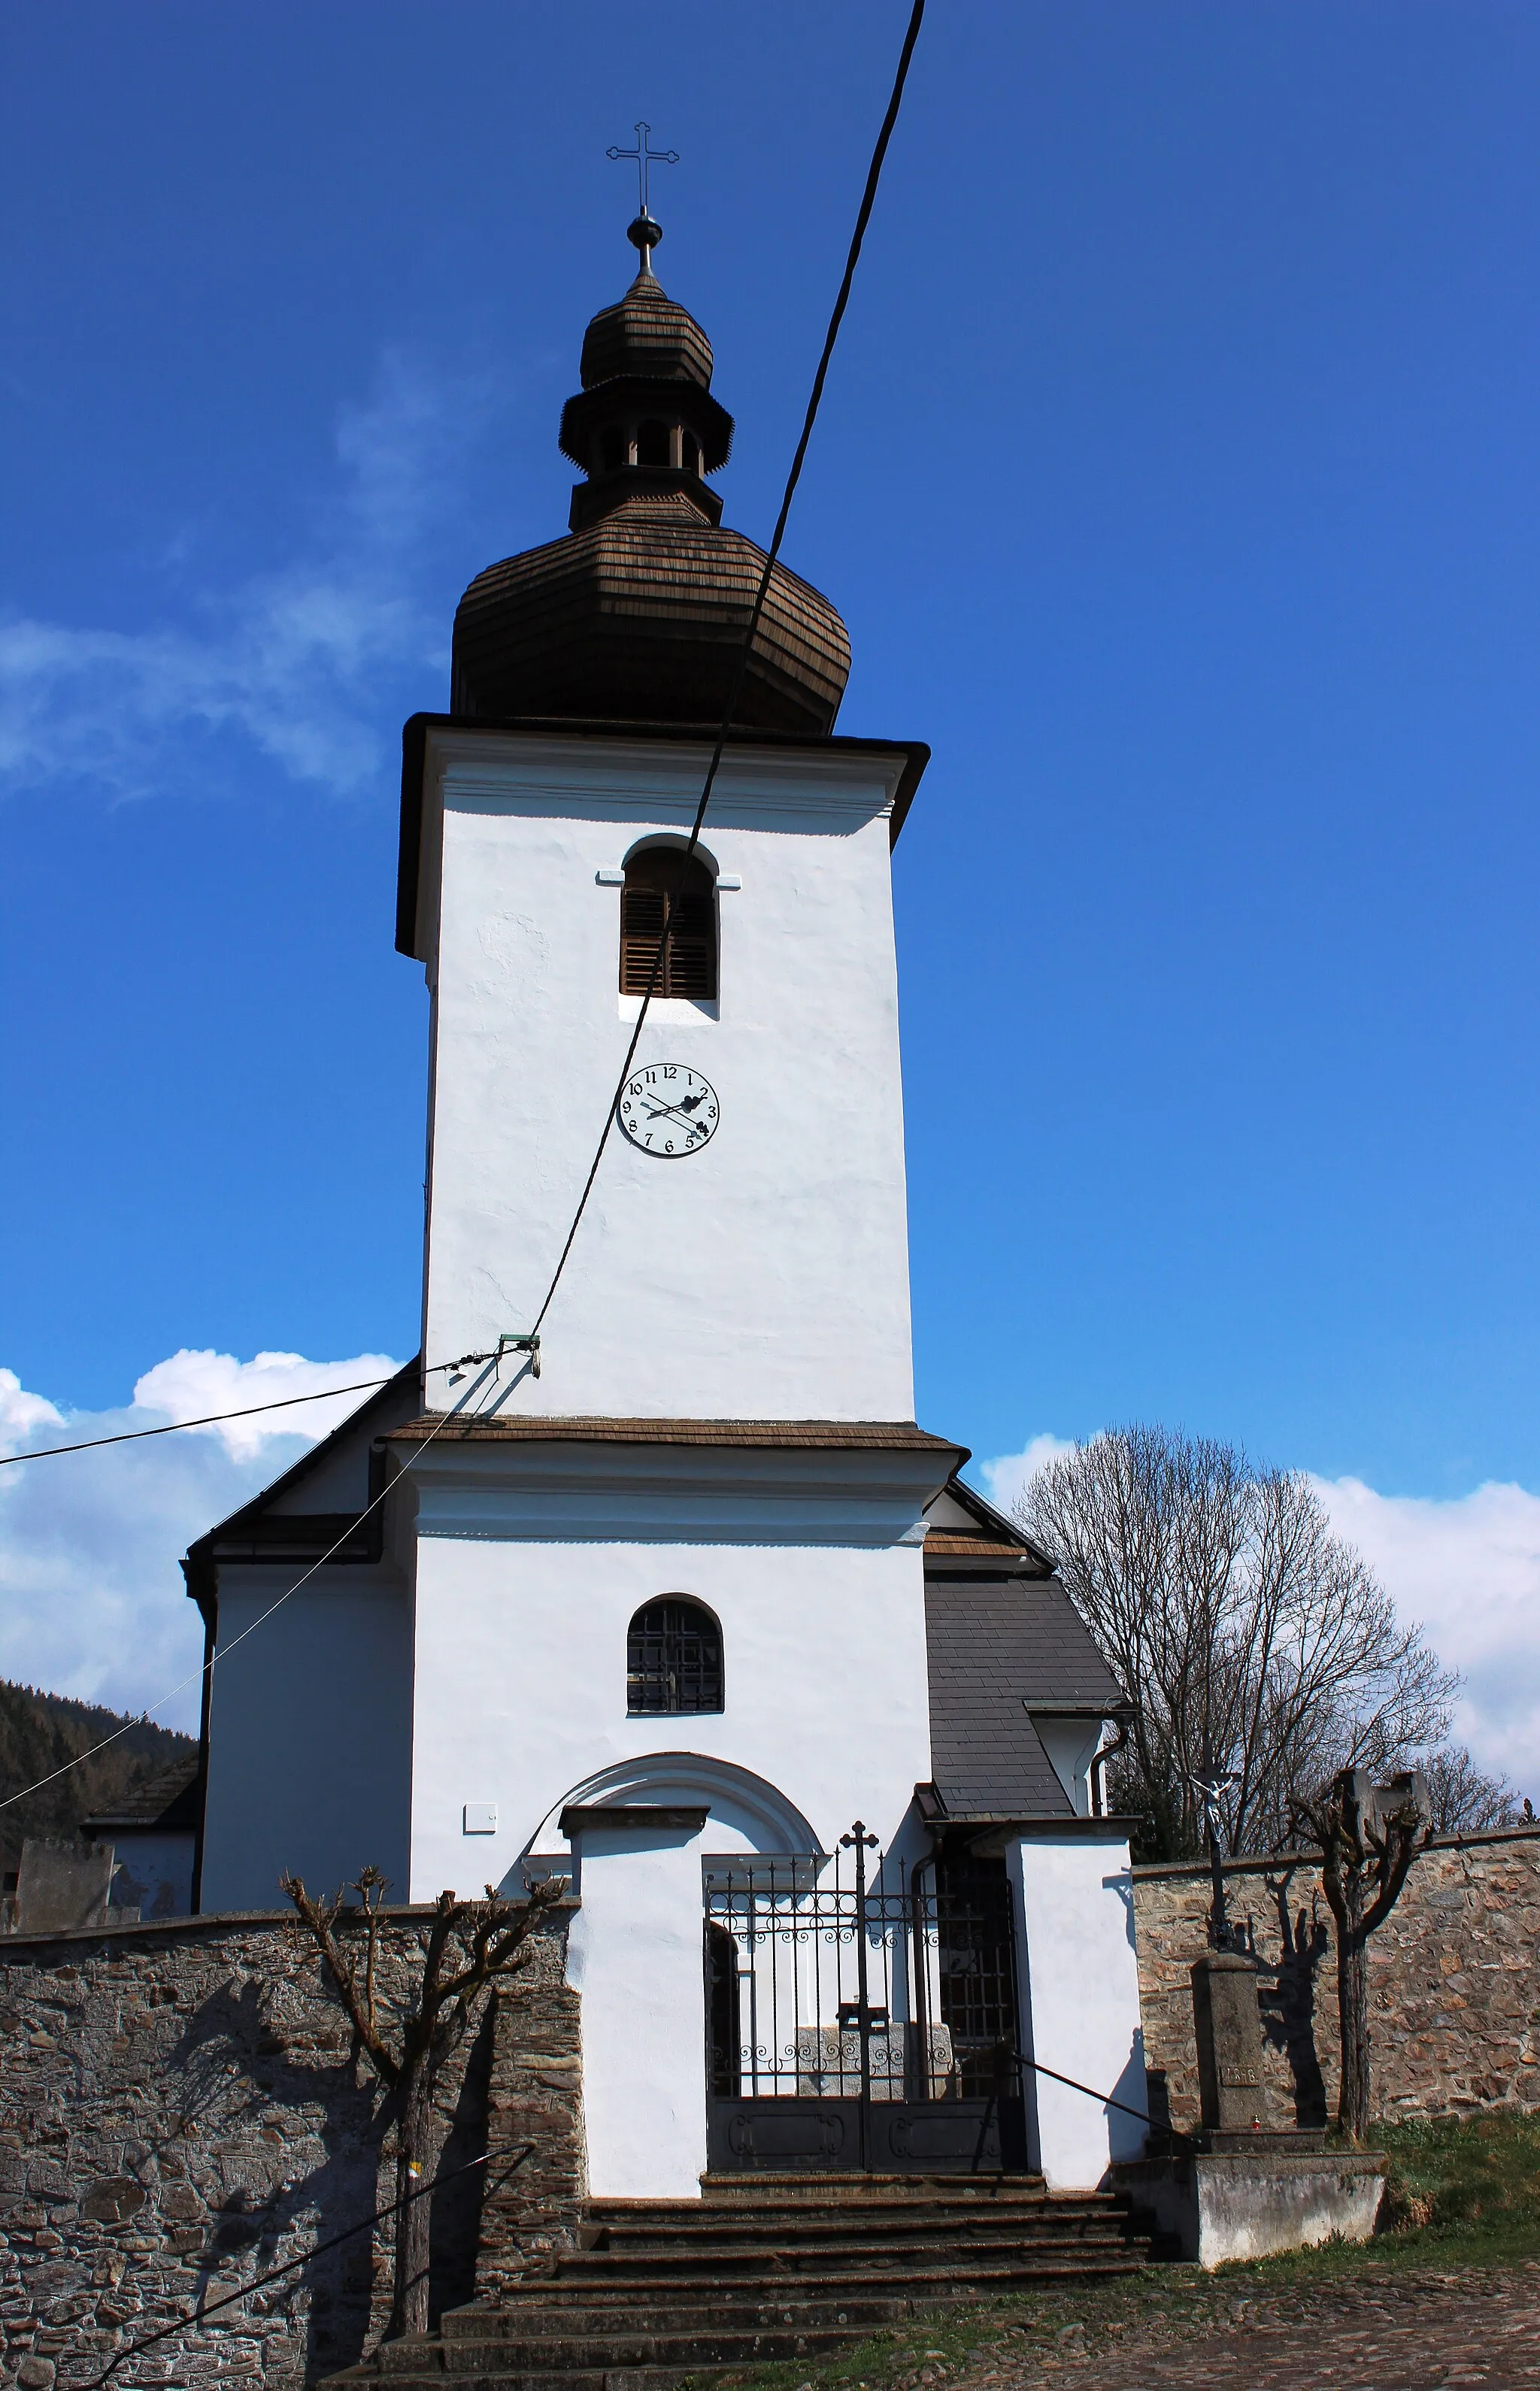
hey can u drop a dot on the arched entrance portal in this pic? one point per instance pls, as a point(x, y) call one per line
point(863, 2012)
point(643, 1834)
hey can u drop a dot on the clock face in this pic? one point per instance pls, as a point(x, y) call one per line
point(668, 1110)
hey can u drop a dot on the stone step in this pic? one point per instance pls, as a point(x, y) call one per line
point(822, 2228)
point(554, 2309)
point(844, 2257)
point(635, 2378)
point(728, 2313)
point(581, 2352)
point(728, 2215)
point(778, 2272)
point(788, 2183)
point(704, 2346)
point(666, 2354)
point(619, 2378)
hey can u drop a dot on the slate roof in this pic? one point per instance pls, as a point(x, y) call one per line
point(995, 1646)
point(169, 1800)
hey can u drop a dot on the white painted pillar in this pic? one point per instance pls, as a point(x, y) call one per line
point(1080, 2001)
point(635, 1957)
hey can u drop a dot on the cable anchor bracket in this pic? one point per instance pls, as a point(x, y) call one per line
point(510, 1344)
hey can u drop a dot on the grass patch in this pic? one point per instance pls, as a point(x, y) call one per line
point(1469, 2181)
point(1463, 2192)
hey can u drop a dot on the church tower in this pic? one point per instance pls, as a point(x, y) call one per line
point(679, 1602)
point(744, 1253)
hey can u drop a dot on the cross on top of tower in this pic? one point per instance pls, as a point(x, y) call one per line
point(646, 232)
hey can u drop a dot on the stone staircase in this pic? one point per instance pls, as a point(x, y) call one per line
point(761, 2267)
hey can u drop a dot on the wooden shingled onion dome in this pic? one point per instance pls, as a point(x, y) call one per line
point(640, 613)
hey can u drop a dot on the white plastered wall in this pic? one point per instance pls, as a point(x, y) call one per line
point(522, 1705)
point(765, 1276)
point(521, 1686)
point(1080, 1996)
point(1071, 1745)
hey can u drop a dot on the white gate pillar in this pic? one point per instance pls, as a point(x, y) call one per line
point(635, 1960)
point(1079, 1999)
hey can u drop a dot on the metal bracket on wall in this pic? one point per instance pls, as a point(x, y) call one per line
point(530, 1345)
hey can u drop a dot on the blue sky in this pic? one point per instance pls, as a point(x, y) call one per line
point(1177, 481)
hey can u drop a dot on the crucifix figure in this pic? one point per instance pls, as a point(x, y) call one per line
point(1208, 1786)
point(646, 232)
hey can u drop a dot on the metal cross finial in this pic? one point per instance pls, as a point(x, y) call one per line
point(644, 158)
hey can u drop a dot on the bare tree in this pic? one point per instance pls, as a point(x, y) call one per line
point(1368, 1836)
point(467, 1946)
point(1461, 1798)
point(1250, 1638)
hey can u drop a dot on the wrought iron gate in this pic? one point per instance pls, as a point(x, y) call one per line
point(861, 2012)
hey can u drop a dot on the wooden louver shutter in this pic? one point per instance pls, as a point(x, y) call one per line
point(649, 905)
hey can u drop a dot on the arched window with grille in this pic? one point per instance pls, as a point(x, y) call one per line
point(673, 1658)
point(653, 901)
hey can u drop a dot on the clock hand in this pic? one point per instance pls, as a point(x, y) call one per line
point(657, 1109)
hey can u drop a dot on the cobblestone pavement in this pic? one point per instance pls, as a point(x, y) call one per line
point(1401, 2332)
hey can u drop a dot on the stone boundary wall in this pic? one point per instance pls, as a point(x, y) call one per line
point(1453, 1979)
point(182, 2109)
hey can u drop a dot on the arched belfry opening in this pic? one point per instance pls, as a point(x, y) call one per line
point(670, 903)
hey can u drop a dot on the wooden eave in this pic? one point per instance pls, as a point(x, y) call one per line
point(764, 1436)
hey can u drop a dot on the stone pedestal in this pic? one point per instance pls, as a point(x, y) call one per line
point(1253, 2202)
point(1228, 2023)
point(1238, 2190)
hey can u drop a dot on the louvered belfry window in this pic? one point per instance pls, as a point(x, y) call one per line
point(673, 1658)
point(649, 905)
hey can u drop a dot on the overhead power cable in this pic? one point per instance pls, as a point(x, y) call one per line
point(211, 1419)
point(863, 215)
point(224, 1652)
point(208, 1419)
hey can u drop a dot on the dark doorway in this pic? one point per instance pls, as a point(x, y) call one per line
point(976, 1966)
point(723, 2020)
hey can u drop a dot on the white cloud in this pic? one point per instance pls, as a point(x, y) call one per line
point(1466, 1569)
point(191, 1385)
point(291, 661)
point(1005, 1479)
point(91, 1597)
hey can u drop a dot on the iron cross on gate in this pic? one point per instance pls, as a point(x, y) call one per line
point(644, 158)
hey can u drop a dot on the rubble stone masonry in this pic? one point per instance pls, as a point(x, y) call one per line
point(182, 2110)
point(1453, 1979)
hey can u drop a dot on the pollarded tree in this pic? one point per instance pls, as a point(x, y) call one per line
point(1368, 1836)
point(1250, 1638)
point(467, 1946)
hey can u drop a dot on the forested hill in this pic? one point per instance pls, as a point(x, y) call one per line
point(40, 1732)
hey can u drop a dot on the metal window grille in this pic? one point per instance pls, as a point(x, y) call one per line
point(975, 1964)
point(673, 1659)
point(653, 902)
